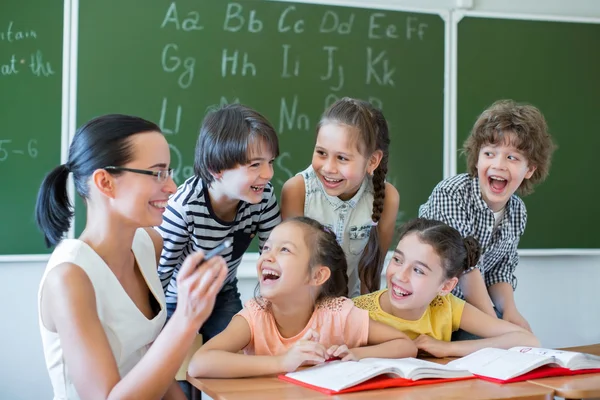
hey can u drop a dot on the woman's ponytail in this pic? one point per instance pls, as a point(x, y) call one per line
point(53, 210)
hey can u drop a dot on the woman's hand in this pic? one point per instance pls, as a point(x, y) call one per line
point(198, 286)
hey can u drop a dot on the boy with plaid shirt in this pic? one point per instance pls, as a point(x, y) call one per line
point(509, 151)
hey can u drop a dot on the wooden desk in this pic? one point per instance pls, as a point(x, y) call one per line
point(271, 388)
point(575, 387)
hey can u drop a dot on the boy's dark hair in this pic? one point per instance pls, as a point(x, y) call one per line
point(104, 141)
point(372, 134)
point(457, 254)
point(531, 138)
point(226, 137)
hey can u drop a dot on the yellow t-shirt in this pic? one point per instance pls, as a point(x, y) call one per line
point(440, 319)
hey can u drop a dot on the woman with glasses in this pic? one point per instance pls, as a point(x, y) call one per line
point(101, 305)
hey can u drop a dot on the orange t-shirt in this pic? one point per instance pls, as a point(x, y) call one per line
point(337, 320)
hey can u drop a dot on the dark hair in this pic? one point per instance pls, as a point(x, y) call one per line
point(372, 134)
point(457, 254)
point(326, 251)
point(99, 143)
point(529, 127)
point(226, 136)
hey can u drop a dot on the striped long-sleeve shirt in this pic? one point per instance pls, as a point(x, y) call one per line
point(457, 201)
point(189, 224)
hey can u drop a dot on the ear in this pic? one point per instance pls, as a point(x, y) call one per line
point(447, 286)
point(530, 171)
point(319, 275)
point(217, 175)
point(104, 182)
point(374, 161)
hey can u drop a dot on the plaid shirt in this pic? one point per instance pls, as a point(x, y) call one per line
point(457, 201)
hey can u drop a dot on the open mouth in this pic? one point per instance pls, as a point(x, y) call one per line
point(330, 182)
point(159, 204)
point(269, 275)
point(399, 292)
point(497, 184)
point(257, 189)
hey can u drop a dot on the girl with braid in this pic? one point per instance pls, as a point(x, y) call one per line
point(425, 268)
point(344, 188)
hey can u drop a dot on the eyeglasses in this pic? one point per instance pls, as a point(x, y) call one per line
point(161, 175)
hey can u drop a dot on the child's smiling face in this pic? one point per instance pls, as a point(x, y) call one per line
point(501, 168)
point(415, 276)
point(337, 161)
point(283, 266)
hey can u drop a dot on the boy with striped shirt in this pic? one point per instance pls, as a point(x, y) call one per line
point(228, 198)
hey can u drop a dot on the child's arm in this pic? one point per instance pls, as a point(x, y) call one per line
point(220, 357)
point(292, 197)
point(500, 287)
point(175, 234)
point(496, 333)
point(385, 342)
point(503, 295)
point(387, 223)
point(475, 291)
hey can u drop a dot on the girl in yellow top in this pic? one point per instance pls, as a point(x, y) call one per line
point(425, 268)
point(302, 315)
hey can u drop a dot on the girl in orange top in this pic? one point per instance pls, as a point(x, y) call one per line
point(423, 271)
point(300, 317)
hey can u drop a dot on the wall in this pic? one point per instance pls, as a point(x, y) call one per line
point(556, 294)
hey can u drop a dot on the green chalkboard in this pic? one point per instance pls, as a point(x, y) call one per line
point(30, 110)
point(556, 67)
point(170, 62)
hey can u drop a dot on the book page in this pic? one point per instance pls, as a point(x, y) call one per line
point(338, 375)
point(562, 358)
point(567, 359)
point(413, 368)
point(499, 363)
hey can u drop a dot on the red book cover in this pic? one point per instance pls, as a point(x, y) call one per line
point(541, 372)
point(379, 382)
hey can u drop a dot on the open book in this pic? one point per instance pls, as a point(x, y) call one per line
point(373, 373)
point(524, 363)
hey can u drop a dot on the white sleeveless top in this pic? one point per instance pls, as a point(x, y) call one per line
point(349, 220)
point(129, 332)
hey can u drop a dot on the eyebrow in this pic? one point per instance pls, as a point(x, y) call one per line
point(343, 153)
point(289, 242)
point(159, 165)
point(259, 159)
point(396, 251)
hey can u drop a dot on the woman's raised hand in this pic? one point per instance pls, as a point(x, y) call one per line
point(198, 286)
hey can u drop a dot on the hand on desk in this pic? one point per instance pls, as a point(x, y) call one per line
point(306, 351)
point(341, 352)
point(515, 317)
point(433, 347)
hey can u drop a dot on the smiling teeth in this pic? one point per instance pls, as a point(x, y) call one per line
point(257, 188)
point(497, 178)
point(159, 204)
point(332, 180)
point(269, 273)
point(400, 293)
